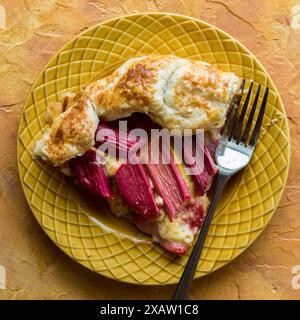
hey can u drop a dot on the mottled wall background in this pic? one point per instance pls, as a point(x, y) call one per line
point(34, 31)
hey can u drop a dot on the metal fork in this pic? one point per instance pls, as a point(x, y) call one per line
point(232, 155)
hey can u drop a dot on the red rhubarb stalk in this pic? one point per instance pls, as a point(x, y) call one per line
point(136, 191)
point(91, 174)
point(118, 139)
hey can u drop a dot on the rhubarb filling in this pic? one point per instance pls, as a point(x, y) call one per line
point(159, 198)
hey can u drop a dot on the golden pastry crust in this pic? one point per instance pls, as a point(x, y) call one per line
point(176, 93)
point(71, 134)
point(55, 109)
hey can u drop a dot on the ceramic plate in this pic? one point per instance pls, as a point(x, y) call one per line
point(87, 232)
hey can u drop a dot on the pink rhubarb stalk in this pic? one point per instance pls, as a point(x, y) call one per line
point(204, 178)
point(136, 191)
point(91, 174)
point(169, 184)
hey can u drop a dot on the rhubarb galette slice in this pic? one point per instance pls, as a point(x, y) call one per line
point(175, 94)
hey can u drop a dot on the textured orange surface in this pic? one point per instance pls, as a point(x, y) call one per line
point(35, 30)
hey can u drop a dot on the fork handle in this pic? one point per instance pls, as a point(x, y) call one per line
point(184, 286)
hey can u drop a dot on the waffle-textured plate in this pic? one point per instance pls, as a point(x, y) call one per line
point(91, 236)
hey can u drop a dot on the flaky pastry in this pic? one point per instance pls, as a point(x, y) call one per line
point(176, 93)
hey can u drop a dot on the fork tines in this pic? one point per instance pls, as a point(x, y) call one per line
point(234, 124)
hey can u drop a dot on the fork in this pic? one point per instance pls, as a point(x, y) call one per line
point(232, 155)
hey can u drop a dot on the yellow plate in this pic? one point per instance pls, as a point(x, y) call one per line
point(89, 234)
